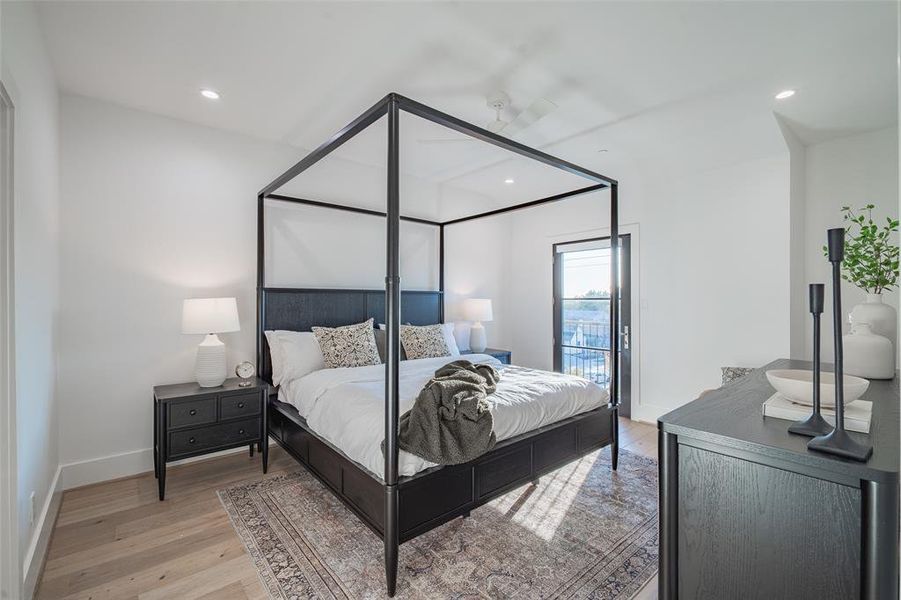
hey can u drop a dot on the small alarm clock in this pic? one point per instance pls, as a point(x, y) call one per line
point(245, 371)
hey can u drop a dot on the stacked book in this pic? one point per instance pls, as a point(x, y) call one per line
point(857, 413)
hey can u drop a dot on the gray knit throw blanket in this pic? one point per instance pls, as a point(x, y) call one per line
point(451, 421)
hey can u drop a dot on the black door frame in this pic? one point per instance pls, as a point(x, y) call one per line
point(624, 314)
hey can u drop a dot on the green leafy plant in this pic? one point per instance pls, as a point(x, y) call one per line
point(871, 255)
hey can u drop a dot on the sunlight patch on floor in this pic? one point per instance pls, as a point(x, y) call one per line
point(542, 509)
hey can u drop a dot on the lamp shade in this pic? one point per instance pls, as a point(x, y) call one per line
point(478, 309)
point(209, 315)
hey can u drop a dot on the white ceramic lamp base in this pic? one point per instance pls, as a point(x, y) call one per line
point(477, 341)
point(210, 366)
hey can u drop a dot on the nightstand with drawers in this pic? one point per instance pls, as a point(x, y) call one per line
point(189, 420)
point(501, 355)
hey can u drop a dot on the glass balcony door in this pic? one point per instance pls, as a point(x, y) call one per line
point(582, 312)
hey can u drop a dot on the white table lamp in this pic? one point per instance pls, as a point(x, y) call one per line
point(477, 310)
point(210, 316)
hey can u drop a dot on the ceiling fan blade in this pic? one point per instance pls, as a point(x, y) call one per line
point(534, 112)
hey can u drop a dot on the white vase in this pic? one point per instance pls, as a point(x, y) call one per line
point(881, 317)
point(868, 355)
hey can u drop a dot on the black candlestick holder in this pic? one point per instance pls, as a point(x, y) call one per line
point(838, 442)
point(815, 424)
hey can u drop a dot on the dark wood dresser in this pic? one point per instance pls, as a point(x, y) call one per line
point(189, 420)
point(747, 511)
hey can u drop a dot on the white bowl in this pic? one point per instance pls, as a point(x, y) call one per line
point(797, 386)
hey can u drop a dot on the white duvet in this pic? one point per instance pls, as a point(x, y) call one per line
point(346, 406)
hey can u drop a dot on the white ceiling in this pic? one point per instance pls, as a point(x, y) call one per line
point(296, 72)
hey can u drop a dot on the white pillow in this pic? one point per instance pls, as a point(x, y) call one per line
point(275, 357)
point(461, 335)
point(449, 339)
point(294, 354)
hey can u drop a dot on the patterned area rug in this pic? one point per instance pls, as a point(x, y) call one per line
point(583, 532)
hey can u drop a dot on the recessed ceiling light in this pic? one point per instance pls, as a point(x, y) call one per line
point(210, 94)
point(509, 180)
point(785, 94)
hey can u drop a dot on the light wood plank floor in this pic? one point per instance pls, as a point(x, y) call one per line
point(115, 540)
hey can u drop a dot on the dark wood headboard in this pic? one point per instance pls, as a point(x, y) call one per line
point(299, 309)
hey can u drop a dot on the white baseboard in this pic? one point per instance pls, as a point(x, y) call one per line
point(115, 466)
point(40, 539)
point(95, 470)
point(649, 413)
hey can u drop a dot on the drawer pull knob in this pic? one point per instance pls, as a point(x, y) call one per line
point(240, 405)
point(192, 412)
point(241, 431)
point(191, 440)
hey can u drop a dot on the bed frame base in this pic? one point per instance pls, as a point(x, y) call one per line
point(433, 497)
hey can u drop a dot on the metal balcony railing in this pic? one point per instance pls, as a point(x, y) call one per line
point(586, 349)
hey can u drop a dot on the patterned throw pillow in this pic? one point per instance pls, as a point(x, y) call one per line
point(348, 346)
point(423, 342)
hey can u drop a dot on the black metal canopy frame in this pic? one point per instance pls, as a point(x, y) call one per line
point(391, 105)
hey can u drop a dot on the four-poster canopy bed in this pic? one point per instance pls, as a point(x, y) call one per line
point(399, 508)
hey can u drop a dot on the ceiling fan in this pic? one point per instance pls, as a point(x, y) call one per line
point(499, 101)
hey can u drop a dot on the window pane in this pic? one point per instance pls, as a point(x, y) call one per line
point(586, 322)
point(586, 273)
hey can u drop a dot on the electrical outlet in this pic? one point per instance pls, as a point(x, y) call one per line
point(31, 508)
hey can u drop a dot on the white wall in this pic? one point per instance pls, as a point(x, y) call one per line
point(477, 265)
point(322, 248)
point(715, 278)
point(28, 77)
point(798, 249)
point(727, 249)
point(156, 210)
point(713, 275)
point(849, 171)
